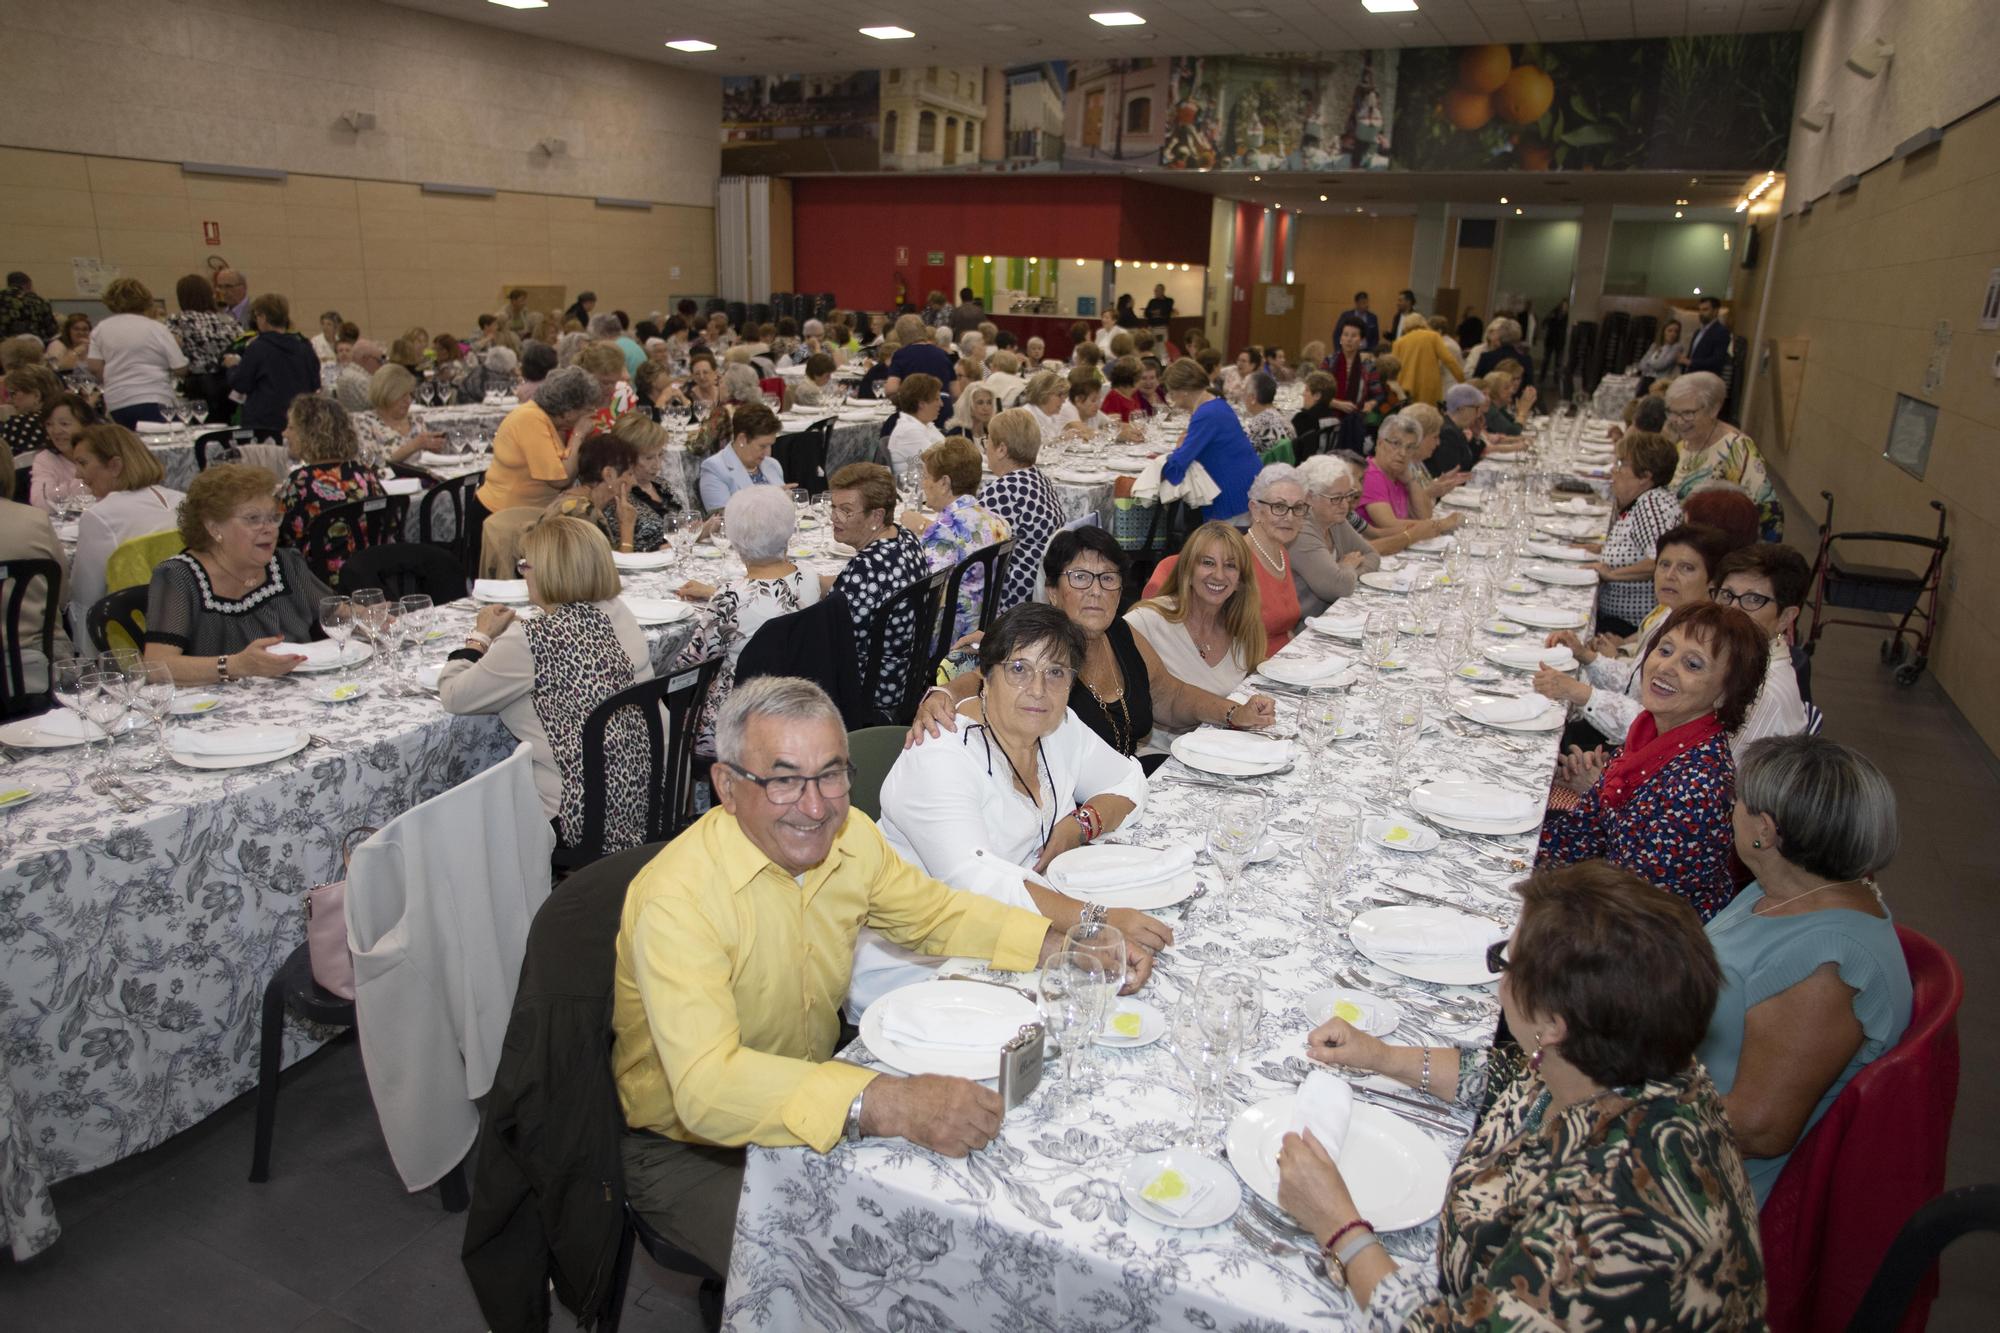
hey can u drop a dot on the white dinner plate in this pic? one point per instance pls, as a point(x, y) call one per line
point(221, 761)
point(1464, 498)
point(1543, 617)
point(1337, 627)
point(1497, 653)
point(356, 654)
point(500, 592)
point(656, 610)
point(1147, 890)
point(1432, 544)
point(1506, 629)
point(1325, 674)
point(27, 734)
point(1531, 819)
point(1553, 551)
point(1232, 768)
point(17, 793)
point(1146, 1023)
point(1181, 1170)
point(1562, 576)
point(1473, 671)
point(1552, 718)
point(1385, 581)
point(640, 561)
point(1395, 1174)
point(1378, 931)
point(194, 705)
point(338, 691)
point(975, 1000)
point(1400, 835)
point(1370, 1013)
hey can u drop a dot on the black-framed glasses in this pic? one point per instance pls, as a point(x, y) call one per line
point(788, 789)
point(1108, 579)
point(1496, 957)
point(1299, 510)
point(1749, 601)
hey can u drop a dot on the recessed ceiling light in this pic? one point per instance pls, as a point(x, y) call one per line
point(692, 44)
point(1118, 18)
point(1503, 198)
point(1389, 6)
point(1256, 178)
point(520, 4)
point(1322, 199)
point(1517, 212)
point(1677, 212)
point(890, 34)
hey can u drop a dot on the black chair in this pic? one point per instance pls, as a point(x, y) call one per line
point(15, 576)
point(342, 531)
point(1916, 1249)
point(230, 439)
point(666, 1254)
point(402, 568)
point(126, 609)
point(1167, 529)
point(802, 455)
point(818, 644)
point(994, 560)
point(917, 670)
point(669, 758)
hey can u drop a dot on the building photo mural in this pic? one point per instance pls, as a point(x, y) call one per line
point(1254, 113)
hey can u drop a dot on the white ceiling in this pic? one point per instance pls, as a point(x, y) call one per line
point(779, 36)
point(1474, 193)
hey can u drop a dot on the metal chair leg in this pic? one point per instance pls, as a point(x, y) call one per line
point(270, 1055)
point(452, 1191)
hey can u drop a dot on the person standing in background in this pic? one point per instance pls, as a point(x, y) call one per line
point(232, 295)
point(1709, 348)
point(1161, 308)
point(1371, 327)
point(24, 310)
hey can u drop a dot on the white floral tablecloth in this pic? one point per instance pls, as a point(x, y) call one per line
point(1033, 1232)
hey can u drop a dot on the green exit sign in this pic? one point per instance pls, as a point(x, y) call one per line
point(935, 259)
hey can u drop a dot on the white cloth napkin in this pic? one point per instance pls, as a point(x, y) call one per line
point(1143, 866)
point(951, 1028)
point(1492, 708)
point(158, 427)
point(235, 740)
point(67, 726)
point(500, 590)
point(426, 458)
point(402, 485)
point(317, 653)
point(1477, 801)
point(1459, 937)
point(642, 560)
point(1338, 623)
point(1325, 1105)
point(1214, 743)
point(1534, 655)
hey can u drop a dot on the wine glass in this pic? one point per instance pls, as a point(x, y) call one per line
point(1107, 945)
point(66, 682)
point(414, 613)
point(1402, 723)
point(336, 617)
point(1320, 715)
point(371, 612)
point(1378, 643)
point(104, 704)
point(199, 408)
point(1072, 1000)
point(1329, 852)
point(1235, 828)
point(152, 691)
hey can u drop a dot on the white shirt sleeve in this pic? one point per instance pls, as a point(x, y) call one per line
point(1778, 711)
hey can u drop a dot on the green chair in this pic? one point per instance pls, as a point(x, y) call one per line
point(1280, 452)
point(872, 751)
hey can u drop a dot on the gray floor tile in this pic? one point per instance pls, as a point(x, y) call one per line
point(421, 1289)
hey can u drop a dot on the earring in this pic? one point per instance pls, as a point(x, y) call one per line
point(1535, 1060)
point(1756, 842)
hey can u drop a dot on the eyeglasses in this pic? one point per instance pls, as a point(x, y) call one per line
point(1340, 497)
point(1496, 957)
point(1688, 413)
point(788, 790)
point(1108, 579)
point(1020, 672)
point(265, 519)
point(1749, 601)
point(1299, 510)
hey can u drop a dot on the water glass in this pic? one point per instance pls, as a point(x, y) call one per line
point(1402, 724)
point(336, 617)
point(1235, 829)
point(1107, 945)
point(1378, 642)
point(372, 613)
point(152, 692)
point(1329, 852)
point(1072, 998)
point(104, 705)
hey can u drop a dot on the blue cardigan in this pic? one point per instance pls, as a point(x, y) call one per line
point(1215, 439)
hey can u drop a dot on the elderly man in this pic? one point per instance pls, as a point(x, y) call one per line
point(608, 328)
point(350, 386)
point(734, 955)
point(232, 293)
point(580, 308)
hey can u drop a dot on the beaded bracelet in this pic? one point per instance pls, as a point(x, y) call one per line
point(1090, 822)
point(1425, 1085)
point(1334, 1239)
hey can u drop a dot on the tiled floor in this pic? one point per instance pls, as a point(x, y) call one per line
point(178, 1239)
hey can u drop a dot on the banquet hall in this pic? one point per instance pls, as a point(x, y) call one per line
point(1310, 664)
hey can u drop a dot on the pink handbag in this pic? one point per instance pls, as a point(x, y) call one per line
point(326, 927)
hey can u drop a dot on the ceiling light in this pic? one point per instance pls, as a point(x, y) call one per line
point(1079, 263)
point(1725, 240)
point(1517, 212)
point(1033, 260)
point(1118, 18)
point(1118, 263)
point(1697, 291)
point(1322, 199)
point(1389, 6)
point(1677, 212)
point(520, 4)
point(1503, 198)
point(986, 259)
point(890, 34)
point(1743, 207)
point(1184, 268)
point(692, 44)
point(1256, 178)
point(1152, 266)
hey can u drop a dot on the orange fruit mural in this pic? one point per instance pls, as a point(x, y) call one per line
point(1524, 96)
point(1482, 69)
point(1467, 110)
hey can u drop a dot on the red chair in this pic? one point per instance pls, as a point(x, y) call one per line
point(1874, 1159)
point(775, 386)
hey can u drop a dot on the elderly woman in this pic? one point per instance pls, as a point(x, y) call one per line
point(1262, 421)
point(750, 430)
point(389, 432)
point(1659, 804)
point(1506, 402)
point(1354, 383)
point(1503, 343)
point(1330, 556)
point(918, 399)
point(1641, 490)
point(26, 534)
point(1712, 450)
point(1020, 496)
point(64, 418)
point(1214, 438)
point(1122, 399)
point(1047, 397)
point(1684, 563)
point(1394, 495)
point(862, 502)
point(134, 356)
point(1021, 781)
point(1814, 985)
point(1599, 1188)
point(1426, 357)
point(606, 468)
point(1768, 583)
point(1206, 624)
point(1123, 688)
point(1279, 510)
point(124, 476)
point(916, 354)
point(30, 389)
point(973, 416)
point(1236, 376)
point(320, 438)
point(587, 647)
point(614, 385)
point(205, 333)
point(214, 611)
point(951, 472)
point(69, 350)
point(650, 495)
point(534, 450)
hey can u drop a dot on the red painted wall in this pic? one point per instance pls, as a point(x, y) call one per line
point(845, 231)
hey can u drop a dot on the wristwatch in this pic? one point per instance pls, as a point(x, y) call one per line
point(851, 1131)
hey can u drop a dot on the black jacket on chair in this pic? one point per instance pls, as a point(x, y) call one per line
point(548, 1188)
point(818, 644)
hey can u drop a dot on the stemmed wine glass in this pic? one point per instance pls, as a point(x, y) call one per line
point(1329, 851)
point(1402, 723)
point(371, 614)
point(152, 691)
point(1072, 999)
point(1320, 715)
point(104, 704)
point(1235, 829)
point(414, 613)
point(1106, 944)
point(1378, 643)
point(336, 617)
point(66, 683)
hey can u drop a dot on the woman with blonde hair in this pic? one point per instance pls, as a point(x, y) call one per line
point(1504, 343)
point(651, 495)
point(320, 437)
point(973, 416)
point(391, 433)
point(133, 356)
point(124, 476)
point(585, 646)
point(1204, 616)
point(1047, 397)
point(1425, 357)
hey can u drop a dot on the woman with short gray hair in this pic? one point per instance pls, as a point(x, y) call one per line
point(1330, 555)
point(1814, 985)
point(534, 450)
point(760, 521)
point(1712, 450)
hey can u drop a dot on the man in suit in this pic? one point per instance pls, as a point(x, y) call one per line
point(1709, 348)
point(1364, 319)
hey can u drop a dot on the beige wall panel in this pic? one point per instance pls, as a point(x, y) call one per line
point(58, 171)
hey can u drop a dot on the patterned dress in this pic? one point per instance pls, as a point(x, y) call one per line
point(1629, 1211)
point(1028, 504)
point(878, 572)
point(205, 336)
point(963, 527)
point(579, 663)
point(1267, 427)
point(738, 610)
point(315, 487)
point(1733, 457)
point(1673, 832)
point(1634, 538)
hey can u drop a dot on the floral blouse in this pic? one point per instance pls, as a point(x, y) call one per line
point(1733, 458)
point(963, 527)
point(314, 487)
point(1267, 427)
point(1674, 832)
point(204, 335)
point(1628, 1211)
point(379, 439)
point(738, 610)
point(1634, 539)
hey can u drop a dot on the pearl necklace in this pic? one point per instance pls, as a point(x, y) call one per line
point(1799, 897)
point(1281, 567)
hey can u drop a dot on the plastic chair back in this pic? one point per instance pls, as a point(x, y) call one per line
point(669, 709)
point(992, 563)
point(1869, 1164)
point(118, 620)
point(400, 569)
point(918, 664)
point(872, 751)
point(341, 531)
point(131, 563)
point(16, 576)
point(1913, 1258)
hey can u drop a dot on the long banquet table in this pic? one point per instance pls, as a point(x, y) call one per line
point(1030, 1232)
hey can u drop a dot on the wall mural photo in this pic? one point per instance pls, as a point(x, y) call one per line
point(1254, 113)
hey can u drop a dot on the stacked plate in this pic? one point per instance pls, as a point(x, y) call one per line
point(1395, 1174)
point(1561, 576)
point(234, 747)
point(1541, 617)
point(1233, 754)
point(1465, 498)
point(1474, 806)
point(58, 730)
point(1531, 656)
point(1327, 673)
point(508, 592)
point(1114, 875)
point(1338, 624)
point(325, 655)
point(656, 610)
point(641, 561)
point(1432, 944)
point(1551, 551)
point(1524, 712)
point(1383, 580)
point(947, 1027)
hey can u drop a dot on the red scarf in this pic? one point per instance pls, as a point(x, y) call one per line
point(1646, 752)
point(1348, 377)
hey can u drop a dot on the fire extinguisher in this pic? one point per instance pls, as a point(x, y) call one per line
point(902, 290)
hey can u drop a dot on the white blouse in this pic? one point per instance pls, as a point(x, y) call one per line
point(950, 807)
point(909, 438)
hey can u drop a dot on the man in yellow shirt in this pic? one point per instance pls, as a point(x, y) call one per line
point(734, 955)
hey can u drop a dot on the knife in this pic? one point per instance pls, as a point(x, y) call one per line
point(1436, 902)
